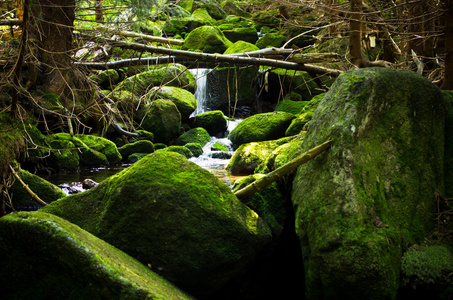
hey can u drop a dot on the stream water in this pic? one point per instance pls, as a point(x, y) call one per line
point(211, 160)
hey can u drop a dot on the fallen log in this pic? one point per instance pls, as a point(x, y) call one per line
point(150, 38)
point(278, 173)
point(204, 57)
point(25, 186)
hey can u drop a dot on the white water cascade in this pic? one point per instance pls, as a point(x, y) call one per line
point(201, 94)
point(213, 160)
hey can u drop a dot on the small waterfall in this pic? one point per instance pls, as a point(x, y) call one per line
point(201, 92)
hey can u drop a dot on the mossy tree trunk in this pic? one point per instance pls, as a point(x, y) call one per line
point(51, 26)
point(355, 34)
point(448, 77)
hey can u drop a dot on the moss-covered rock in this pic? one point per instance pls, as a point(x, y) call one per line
point(240, 47)
point(46, 257)
point(87, 156)
point(106, 79)
point(171, 75)
point(293, 107)
point(195, 135)
point(46, 191)
point(183, 150)
point(206, 39)
point(246, 34)
point(269, 203)
point(143, 146)
point(282, 155)
point(373, 186)
point(214, 122)
point(202, 15)
point(298, 124)
point(168, 212)
point(13, 142)
point(102, 145)
point(261, 127)
point(184, 100)
point(64, 157)
point(271, 39)
point(248, 156)
point(195, 148)
point(213, 7)
point(162, 118)
point(231, 8)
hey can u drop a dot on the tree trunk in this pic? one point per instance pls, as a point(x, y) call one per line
point(355, 34)
point(448, 77)
point(51, 27)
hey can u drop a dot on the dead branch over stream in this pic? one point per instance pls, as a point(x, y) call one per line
point(235, 59)
point(278, 173)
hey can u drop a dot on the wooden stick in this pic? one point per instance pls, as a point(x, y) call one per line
point(143, 36)
point(25, 186)
point(278, 173)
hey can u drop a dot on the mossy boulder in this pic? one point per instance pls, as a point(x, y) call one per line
point(240, 47)
point(214, 122)
point(13, 141)
point(106, 79)
point(202, 15)
point(373, 186)
point(102, 145)
point(293, 107)
point(298, 124)
point(143, 146)
point(87, 156)
point(195, 135)
point(271, 39)
point(261, 127)
point(172, 75)
point(213, 7)
point(184, 100)
point(281, 155)
point(246, 34)
point(183, 150)
point(46, 191)
point(168, 212)
point(162, 118)
point(231, 8)
point(46, 257)
point(248, 156)
point(195, 148)
point(208, 39)
point(269, 203)
point(64, 156)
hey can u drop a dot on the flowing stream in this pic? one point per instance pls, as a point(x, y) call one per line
point(213, 160)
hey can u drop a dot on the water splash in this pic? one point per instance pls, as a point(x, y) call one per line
point(201, 93)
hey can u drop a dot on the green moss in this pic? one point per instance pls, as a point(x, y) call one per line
point(261, 127)
point(220, 147)
point(201, 14)
point(13, 142)
point(239, 47)
point(152, 210)
point(162, 118)
point(103, 146)
point(196, 135)
point(195, 148)
point(143, 146)
point(46, 257)
point(271, 39)
point(293, 107)
point(425, 266)
point(206, 39)
point(214, 122)
point(183, 150)
point(184, 100)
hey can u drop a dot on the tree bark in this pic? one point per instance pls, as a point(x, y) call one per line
point(53, 22)
point(448, 77)
point(355, 34)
